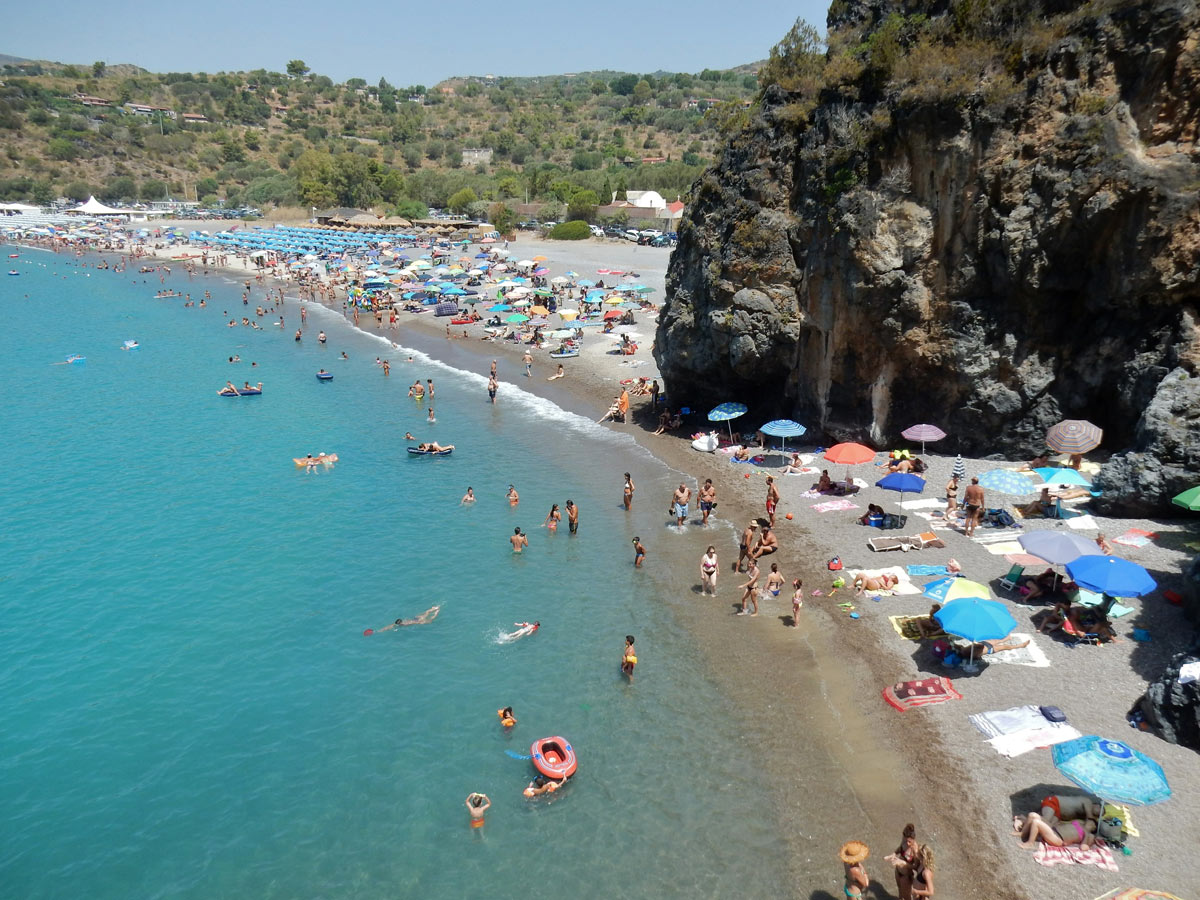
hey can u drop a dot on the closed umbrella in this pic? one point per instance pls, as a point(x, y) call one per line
point(904, 482)
point(960, 467)
point(1111, 575)
point(1189, 499)
point(1006, 481)
point(1112, 770)
point(783, 428)
point(1057, 547)
point(923, 433)
point(726, 412)
point(1074, 436)
point(849, 454)
point(976, 620)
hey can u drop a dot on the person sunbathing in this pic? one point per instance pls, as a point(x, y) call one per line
point(794, 466)
point(900, 465)
point(928, 626)
point(1034, 828)
point(1042, 506)
point(884, 582)
point(1041, 585)
point(986, 648)
point(1066, 807)
point(742, 453)
point(824, 485)
point(1054, 618)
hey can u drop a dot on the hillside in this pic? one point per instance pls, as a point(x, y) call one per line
point(297, 138)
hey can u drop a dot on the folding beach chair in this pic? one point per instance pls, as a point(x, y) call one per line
point(1012, 580)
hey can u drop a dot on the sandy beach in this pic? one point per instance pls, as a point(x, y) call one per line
point(813, 691)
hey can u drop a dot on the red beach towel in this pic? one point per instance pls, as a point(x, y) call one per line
point(1098, 855)
point(910, 694)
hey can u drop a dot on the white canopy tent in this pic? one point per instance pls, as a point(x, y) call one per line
point(18, 208)
point(94, 207)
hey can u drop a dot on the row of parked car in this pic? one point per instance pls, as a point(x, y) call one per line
point(650, 237)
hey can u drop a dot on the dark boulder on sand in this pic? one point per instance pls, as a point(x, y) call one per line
point(987, 225)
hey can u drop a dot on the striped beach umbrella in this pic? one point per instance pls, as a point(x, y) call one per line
point(783, 428)
point(1006, 481)
point(1074, 436)
point(1112, 770)
point(960, 467)
point(923, 433)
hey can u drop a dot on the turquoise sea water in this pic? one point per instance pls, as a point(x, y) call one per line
point(189, 705)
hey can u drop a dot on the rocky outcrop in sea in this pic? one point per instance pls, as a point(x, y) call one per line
point(988, 225)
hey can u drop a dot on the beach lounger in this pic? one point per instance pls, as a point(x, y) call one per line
point(881, 544)
point(1012, 580)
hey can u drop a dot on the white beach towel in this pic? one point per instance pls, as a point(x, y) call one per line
point(1003, 548)
point(903, 586)
point(1009, 721)
point(924, 503)
point(937, 521)
point(996, 535)
point(1083, 523)
point(1030, 655)
point(1011, 745)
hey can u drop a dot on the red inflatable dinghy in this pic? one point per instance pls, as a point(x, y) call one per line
point(553, 757)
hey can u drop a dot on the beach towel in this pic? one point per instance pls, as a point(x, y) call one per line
point(1013, 745)
point(937, 521)
point(834, 505)
point(903, 586)
point(1008, 721)
point(754, 460)
point(1083, 523)
point(1024, 559)
point(908, 695)
point(1135, 537)
point(1030, 655)
point(924, 503)
point(996, 535)
point(1004, 548)
point(906, 627)
point(927, 570)
point(1099, 856)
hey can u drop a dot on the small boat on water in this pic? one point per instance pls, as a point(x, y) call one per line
point(417, 451)
point(324, 376)
point(563, 354)
point(553, 757)
point(13, 272)
point(325, 459)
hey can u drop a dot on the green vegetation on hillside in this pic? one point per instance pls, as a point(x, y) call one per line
point(298, 139)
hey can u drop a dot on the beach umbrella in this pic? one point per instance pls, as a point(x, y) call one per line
point(517, 318)
point(923, 433)
point(1111, 575)
point(584, 282)
point(1006, 481)
point(1066, 476)
point(849, 454)
point(521, 304)
point(976, 620)
point(567, 315)
point(904, 482)
point(943, 590)
point(613, 314)
point(1058, 547)
point(783, 428)
point(499, 307)
point(726, 412)
point(1073, 436)
point(539, 310)
point(1189, 499)
point(561, 333)
point(559, 279)
point(1112, 770)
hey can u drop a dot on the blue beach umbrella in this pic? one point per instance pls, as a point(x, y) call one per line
point(1053, 475)
point(725, 412)
point(1112, 770)
point(1111, 575)
point(499, 307)
point(781, 428)
point(904, 482)
point(976, 620)
point(1006, 481)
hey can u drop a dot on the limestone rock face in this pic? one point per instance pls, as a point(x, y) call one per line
point(992, 262)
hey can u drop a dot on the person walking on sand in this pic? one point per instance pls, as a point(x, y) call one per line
point(708, 571)
point(972, 506)
point(750, 590)
point(797, 601)
point(679, 504)
point(745, 545)
point(518, 540)
point(629, 489)
point(639, 553)
point(477, 805)
point(772, 501)
point(528, 360)
point(572, 517)
point(707, 499)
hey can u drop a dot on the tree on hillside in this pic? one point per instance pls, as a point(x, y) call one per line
point(582, 205)
point(77, 190)
point(460, 200)
point(98, 68)
point(622, 189)
point(297, 68)
point(411, 209)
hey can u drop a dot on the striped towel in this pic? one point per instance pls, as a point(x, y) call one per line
point(1099, 856)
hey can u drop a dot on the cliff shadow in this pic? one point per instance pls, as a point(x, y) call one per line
point(1029, 799)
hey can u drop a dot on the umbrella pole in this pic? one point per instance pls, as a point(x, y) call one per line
point(729, 425)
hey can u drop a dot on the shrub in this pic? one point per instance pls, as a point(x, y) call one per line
point(575, 230)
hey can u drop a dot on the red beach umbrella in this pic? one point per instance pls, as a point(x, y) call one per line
point(849, 454)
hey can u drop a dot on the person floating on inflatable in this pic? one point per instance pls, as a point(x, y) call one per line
point(507, 719)
point(629, 658)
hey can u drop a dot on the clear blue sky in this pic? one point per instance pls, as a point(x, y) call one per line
point(406, 42)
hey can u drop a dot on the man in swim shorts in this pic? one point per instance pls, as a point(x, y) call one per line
point(639, 553)
point(518, 540)
point(772, 501)
point(707, 499)
point(745, 545)
point(679, 504)
point(767, 543)
point(572, 516)
point(477, 805)
point(493, 384)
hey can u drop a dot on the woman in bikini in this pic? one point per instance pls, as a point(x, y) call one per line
point(922, 877)
point(797, 601)
point(1035, 828)
point(904, 860)
point(774, 581)
point(708, 571)
point(852, 855)
point(552, 519)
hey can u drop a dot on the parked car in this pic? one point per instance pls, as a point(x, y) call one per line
point(631, 235)
point(662, 241)
point(596, 230)
point(614, 231)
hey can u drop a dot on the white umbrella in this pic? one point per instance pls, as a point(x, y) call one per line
point(560, 280)
point(526, 264)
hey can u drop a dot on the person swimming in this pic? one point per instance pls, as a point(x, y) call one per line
point(542, 785)
point(524, 629)
point(507, 719)
point(423, 619)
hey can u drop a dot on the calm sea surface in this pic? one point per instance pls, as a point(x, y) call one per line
point(190, 707)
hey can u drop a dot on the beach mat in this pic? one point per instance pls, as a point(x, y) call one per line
point(1030, 655)
point(1099, 856)
point(906, 627)
point(924, 503)
point(1004, 548)
point(903, 586)
point(1014, 745)
point(1135, 537)
point(1024, 559)
point(1083, 523)
point(927, 570)
point(908, 695)
point(834, 505)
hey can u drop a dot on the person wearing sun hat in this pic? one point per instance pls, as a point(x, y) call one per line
point(852, 855)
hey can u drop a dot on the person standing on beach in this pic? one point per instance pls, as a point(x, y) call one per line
point(629, 489)
point(744, 547)
point(774, 581)
point(772, 501)
point(973, 506)
point(750, 590)
point(951, 495)
point(797, 601)
point(572, 517)
point(708, 571)
point(518, 540)
point(679, 504)
point(528, 360)
point(493, 384)
point(707, 499)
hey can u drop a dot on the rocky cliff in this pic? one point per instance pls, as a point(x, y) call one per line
point(978, 213)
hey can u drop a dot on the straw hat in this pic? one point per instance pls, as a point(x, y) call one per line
point(854, 852)
point(753, 523)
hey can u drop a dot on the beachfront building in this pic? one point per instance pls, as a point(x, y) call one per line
point(644, 199)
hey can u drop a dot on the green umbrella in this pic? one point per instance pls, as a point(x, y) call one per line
point(517, 318)
point(1189, 499)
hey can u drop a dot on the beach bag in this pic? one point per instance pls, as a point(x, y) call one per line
point(1053, 713)
point(835, 564)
